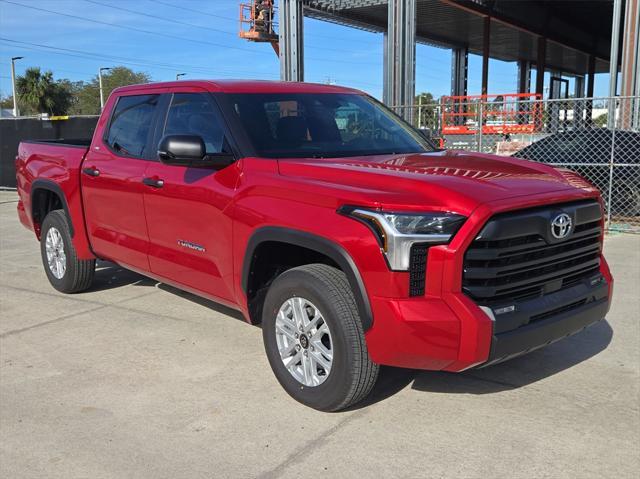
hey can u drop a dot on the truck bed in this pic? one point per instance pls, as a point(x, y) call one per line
point(52, 165)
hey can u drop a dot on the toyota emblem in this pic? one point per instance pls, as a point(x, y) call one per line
point(561, 226)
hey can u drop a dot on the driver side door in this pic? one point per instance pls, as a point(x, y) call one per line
point(188, 208)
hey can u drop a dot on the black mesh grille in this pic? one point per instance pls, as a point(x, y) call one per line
point(417, 269)
point(528, 266)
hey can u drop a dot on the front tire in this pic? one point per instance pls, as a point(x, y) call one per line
point(65, 271)
point(314, 339)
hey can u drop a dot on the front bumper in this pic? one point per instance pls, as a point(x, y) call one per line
point(541, 321)
point(454, 334)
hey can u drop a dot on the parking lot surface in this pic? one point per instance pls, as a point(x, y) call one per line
point(138, 379)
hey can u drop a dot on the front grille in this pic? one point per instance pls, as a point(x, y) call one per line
point(417, 269)
point(514, 257)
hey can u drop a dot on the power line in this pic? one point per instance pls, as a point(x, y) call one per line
point(172, 20)
point(144, 63)
point(166, 35)
point(140, 30)
point(123, 60)
point(181, 7)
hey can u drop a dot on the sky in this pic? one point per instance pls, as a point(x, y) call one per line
point(74, 38)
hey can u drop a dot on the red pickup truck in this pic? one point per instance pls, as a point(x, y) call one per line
point(320, 214)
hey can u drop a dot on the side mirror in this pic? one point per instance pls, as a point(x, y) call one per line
point(190, 150)
point(181, 149)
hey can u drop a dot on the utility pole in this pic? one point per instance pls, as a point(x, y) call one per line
point(178, 75)
point(16, 112)
point(100, 80)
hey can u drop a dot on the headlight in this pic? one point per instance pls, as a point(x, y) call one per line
point(397, 232)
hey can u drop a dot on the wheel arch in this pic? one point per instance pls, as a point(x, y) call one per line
point(41, 191)
point(311, 242)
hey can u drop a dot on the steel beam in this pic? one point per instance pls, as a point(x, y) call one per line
point(291, 40)
point(400, 55)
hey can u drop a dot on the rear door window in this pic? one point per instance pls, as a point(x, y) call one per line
point(130, 126)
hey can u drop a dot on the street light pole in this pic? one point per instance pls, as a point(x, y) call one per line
point(178, 75)
point(16, 112)
point(100, 80)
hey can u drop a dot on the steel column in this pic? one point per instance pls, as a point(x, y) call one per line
point(591, 73)
point(524, 76)
point(524, 86)
point(629, 77)
point(541, 65)
point(579, 106)
point(291, 40)
point(613, 62)
point(459, 76)
point(400, 55)
point(486, 46)
point(459, 71)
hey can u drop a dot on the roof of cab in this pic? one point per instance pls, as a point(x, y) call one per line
point(242, 86)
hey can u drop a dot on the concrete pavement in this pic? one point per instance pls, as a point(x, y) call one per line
point(137, 379)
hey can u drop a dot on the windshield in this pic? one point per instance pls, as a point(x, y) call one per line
point(320, 125)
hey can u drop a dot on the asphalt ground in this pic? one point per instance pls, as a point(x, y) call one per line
point(137, 379)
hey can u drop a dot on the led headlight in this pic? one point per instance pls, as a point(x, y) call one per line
point(397, 232)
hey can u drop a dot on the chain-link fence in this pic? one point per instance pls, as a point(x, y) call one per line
point(599, 138)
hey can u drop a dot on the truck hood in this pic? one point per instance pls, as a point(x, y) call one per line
point(444, 179)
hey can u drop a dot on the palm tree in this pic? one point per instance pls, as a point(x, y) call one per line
point(39, 93)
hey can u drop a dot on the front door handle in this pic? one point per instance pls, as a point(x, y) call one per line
point(91, 171)
point(153, 182)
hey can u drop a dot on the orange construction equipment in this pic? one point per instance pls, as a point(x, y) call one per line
point(495, 114)
point(257, 23)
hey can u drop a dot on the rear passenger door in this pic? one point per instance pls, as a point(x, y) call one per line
point(188, 209)
point(112, 175)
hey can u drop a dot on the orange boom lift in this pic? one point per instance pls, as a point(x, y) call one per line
point(257, 23)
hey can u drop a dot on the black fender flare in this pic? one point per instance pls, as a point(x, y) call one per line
point(320, 245)
point(42, 184)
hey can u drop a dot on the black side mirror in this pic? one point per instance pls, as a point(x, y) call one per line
point(190, 150)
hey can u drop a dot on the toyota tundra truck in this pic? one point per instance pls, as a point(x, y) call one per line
point(322, 216)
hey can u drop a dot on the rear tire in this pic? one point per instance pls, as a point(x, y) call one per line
point(65, 271)
point(344, 374)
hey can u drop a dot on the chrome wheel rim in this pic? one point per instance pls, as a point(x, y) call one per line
point(304, 341)
point(56, 257)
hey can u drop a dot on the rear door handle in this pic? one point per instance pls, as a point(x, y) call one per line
point(91, 171)
point(153, 182)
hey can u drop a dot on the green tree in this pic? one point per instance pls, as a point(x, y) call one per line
point(6, 102)
point(426, 116)
point(601, 120)
point(87, 95)
point(39, 93)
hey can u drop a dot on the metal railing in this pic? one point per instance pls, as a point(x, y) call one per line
point(599, 138)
